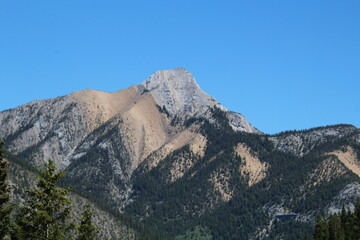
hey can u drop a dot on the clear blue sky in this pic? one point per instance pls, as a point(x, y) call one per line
point(283, 64)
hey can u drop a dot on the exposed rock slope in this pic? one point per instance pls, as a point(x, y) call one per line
point(170, 156)
point(56, 128)
point(177, 91)
point(302, 142)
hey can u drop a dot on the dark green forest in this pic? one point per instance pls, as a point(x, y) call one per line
point(343, 226)
point(162, 205)
point(189, 207)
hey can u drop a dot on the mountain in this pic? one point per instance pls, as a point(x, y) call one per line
point(167, 155)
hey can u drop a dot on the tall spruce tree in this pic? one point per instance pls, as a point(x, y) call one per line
point(5, 205)
point(335, 230)
point(87, 230)
point(346, 224)
point(46, 214)
point(321, 231)
point(356, 220)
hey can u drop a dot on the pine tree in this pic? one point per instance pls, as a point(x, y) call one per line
point(87, 230)
point(5, 205)
point(335, 230)
point(350, 226)
point(345, 227)
point(46, 214)
point(356, 220)
point(321, 231)
point(343, 217)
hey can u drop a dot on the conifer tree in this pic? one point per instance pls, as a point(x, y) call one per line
point(5, 205)
point(321, 231)
point(343, 217)
point(87, 230)
point(343, 227)
point(46, 214)
point(356, 220)
point(346, 224)
point(349, 230)
point(335, 230)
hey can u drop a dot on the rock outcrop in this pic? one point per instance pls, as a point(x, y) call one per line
point(166, 153)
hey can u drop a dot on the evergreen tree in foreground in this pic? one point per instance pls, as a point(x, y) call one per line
point(335, 230)
point(356, 220)
point(335, 227)
point(46, 214)
point(5, 206)
point(321, 231)
point(87, 230)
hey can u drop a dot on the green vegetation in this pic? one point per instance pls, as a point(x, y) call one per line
point(290, 229)
point(198, 233)
point(191, 207)
point(94, 171)
point(5, 205)
point(174, 207)
point(87, 230)
point(46, 214)
point(345, 226)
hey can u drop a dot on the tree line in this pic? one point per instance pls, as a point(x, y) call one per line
point(343, 226)
point(46, 213)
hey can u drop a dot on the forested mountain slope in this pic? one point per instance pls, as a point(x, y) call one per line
point(168, 156)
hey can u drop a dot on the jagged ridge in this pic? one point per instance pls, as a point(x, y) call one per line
point(137, 148)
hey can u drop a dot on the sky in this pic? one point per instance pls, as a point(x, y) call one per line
point(283, 64)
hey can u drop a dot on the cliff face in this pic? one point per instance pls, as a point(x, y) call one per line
point(170, 156)
point(56, 128)
point(177, 91)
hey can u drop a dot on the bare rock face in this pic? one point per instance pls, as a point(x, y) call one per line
point(53, 127)
point(302, 142)
point(57, 128)
point(346, 198)
point(117, 148)
point(92, 132)
point(177, 92)
point(239, 123)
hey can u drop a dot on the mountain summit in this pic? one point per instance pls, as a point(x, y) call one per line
point(174, 159)
point(62, 128)
point(177, 91)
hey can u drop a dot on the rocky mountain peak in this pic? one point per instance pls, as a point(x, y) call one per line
point(178, 78)
point(178, 92)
